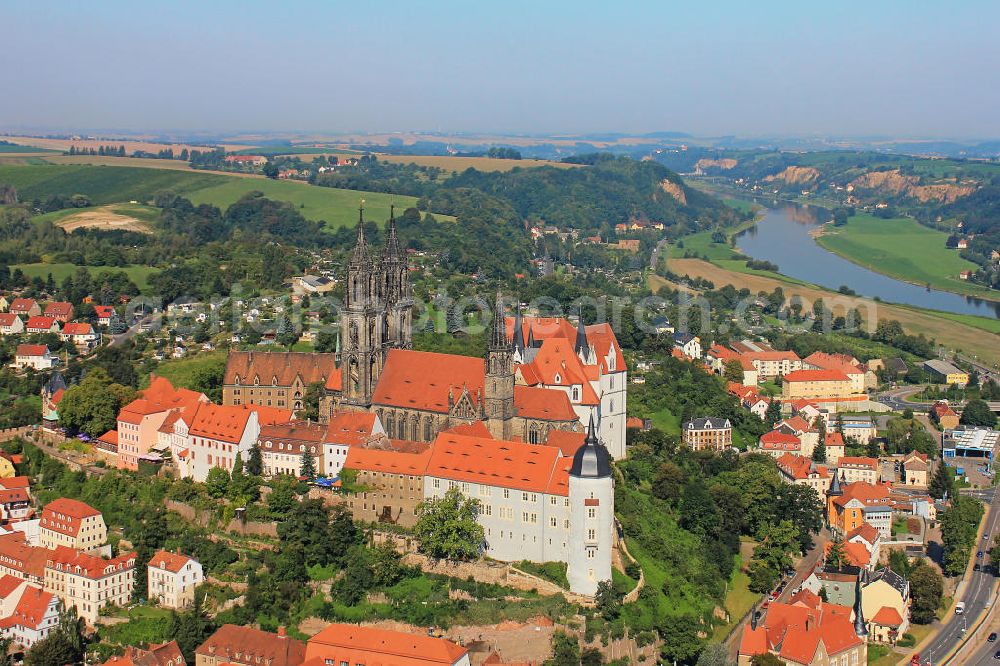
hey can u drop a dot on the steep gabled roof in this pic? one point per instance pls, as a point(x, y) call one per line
point(253, 645)
point(285, 366)
point(494, 462)
point(350, 643)
point(170, 561)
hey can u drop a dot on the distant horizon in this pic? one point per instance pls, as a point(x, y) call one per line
point(762, 70)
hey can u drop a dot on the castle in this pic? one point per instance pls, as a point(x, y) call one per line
point(538, 375)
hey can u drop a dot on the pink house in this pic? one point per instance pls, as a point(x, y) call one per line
point(139, 421)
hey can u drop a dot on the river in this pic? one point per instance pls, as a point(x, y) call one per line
point(783, 237)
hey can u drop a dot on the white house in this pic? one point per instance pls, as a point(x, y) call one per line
point(11, 324)
point(172, 579)
point(36, 357)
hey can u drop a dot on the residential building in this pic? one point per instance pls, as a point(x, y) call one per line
point(172, 579)
point(219, 433)
point(777, 444)
point(844, 363)
point(139, 422)
point(158, 654)
point(11, 324)
point(807, 631)
point(40, 324)
point(104, 314)
point(771, 364)
point(73, 524)
point(916, 470)
point(283, 445)
point(81, 334)
point(344, 430)
point(15, 505)
point(804, 472)
point(352, 644)
point(943, 415)
point(708, 433)
point(59, 310)
point(688, 344)
point(855, 468)
point(860, 429)
point(25, 307)
point(835, 448)
point(245, 160)
point(826, 388)
point(89, 583)
point(312, 284)
point(869, 538)
point(946, 373)
point(851, 505)
point(885, 598)
point(798, 426)
point(28, 613)
point(21, 559)
point(36, 357)
point(246, 646)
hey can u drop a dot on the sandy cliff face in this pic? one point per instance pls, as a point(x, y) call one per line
point(796, 175)
point(725, 163)
point(895, 183)
point(674, 190)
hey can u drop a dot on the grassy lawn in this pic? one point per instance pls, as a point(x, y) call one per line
point(665, 420)
point(903, 249)
point(739, 600)
point(184, 371)
point(138, 274)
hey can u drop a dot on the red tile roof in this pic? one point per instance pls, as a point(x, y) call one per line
point(771, 356)
point(77, 328)
point(887, 616)
point(173, 562)
point(387, 460)
point(91, 566)
point(22, 305)
point(857, 462)
point(39, 323)
point(103, 311)
point(284, 366)
point(12, 482)
point(779, 441)
point(164, 654)
point(798, 629)
point(8, 318)
point(494, 462)
point(65, 515)
point(31, 608)
point(159, 396)
point(252, 646)
point(567, 441)
point(350, 428)
point(224, 423)
point(833, 439)
point(536, 402)
point(59, 309)
point(17, 555)
point(422, 380)
point(31, 350)
point(815, 376)
point(354, 644)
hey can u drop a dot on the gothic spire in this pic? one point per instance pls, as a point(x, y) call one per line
point(518, 329)
point(581, 345)
point(835, 489)
point(498, 337)
point(361, 256)
point(860, 626)
point(591, 438)
point(391, 249)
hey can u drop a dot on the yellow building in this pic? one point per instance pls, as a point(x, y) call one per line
point(885, 601)
point(70, 523)
point(815, 384)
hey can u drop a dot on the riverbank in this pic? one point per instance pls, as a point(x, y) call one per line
point(903, 249)
point(963, 332)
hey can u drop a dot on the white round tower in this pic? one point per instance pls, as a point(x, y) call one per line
point(591, 516)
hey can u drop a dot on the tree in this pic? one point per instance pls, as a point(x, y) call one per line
point(271, 170)
point(282, 498)
point(325, 534)
point(900, 563)
point(217, 482)
point(926, 590)
point(714, 654)
point(607, 600)
point(669, 482)
point(733, 371)
point(819, 453)
point(942, 483)
point(565, 650)
point(680, 637)
point(836, 557)
point(976, 413)
point(447, 526)
point(310, 401)
point(308, 467)
point(959, 524)
point(92, 406)
point(191, 628)
point(63, 646)
point(255, 464)
point(765, 659)
point(773, 413)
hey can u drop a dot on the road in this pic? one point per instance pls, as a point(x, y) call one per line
point(895, 399)
point(976, 596)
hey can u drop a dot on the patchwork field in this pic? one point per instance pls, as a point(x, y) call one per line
point(452, 163)
point(904, 249)
point(131, 145)
point(105, 218)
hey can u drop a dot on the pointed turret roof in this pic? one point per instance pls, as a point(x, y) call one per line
point(836, 488)
point(518, 330)
point(391, 249)
point(591, 460)
point(581, 345)
point(860, 626)
point(361, 256)
point(498, 334)
point(55, 383)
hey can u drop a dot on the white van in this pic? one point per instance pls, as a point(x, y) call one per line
point(959, 608)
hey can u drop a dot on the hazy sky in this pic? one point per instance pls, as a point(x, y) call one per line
point(901, 68)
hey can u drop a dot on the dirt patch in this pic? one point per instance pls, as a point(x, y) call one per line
point(674, 190)
point(726, 163)
point(795, 175)
point(894, 183)
point(103, 219)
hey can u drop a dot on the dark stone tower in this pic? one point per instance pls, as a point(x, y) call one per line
point(395, 279)
point(499, 393)
point(361, 325)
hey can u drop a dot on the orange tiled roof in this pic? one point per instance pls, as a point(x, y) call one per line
point(776, 440)
point(252, 646)
point(77, 328)
point(220, 422)
point(74, 561)
point(285, 366)
point(866, 493)
point(536, 402)
point(31, 350)
point(815, 376)
point(103, 311)
point(31, 608)
point(8, 318)
point(164, 559)
point(159, 396)
point(12, 482)
point(388, 460)
point(350, 428)
point(40, 322)
point(833, 439)
point(476, 429)
point(797, 423)
point(566, 441)
point(864, 531)
point(887, 616)
point(65, 515)
point(351, 643)
point(22, 305)
point(858, 461)
point(494, 462)
point(422, 380)
point(771, 356)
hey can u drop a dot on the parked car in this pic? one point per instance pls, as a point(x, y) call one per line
point(992, 638)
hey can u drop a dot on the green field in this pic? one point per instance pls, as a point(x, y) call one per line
point(13, 148)
point(138, 274)
point(337, 208)
point(116, 185)
point(903, 249)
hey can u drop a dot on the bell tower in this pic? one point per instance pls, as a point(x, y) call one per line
point(395, 277)
point(499, 394)
point(361, 325)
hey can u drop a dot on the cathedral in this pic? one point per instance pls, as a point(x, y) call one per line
point(538, 376)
